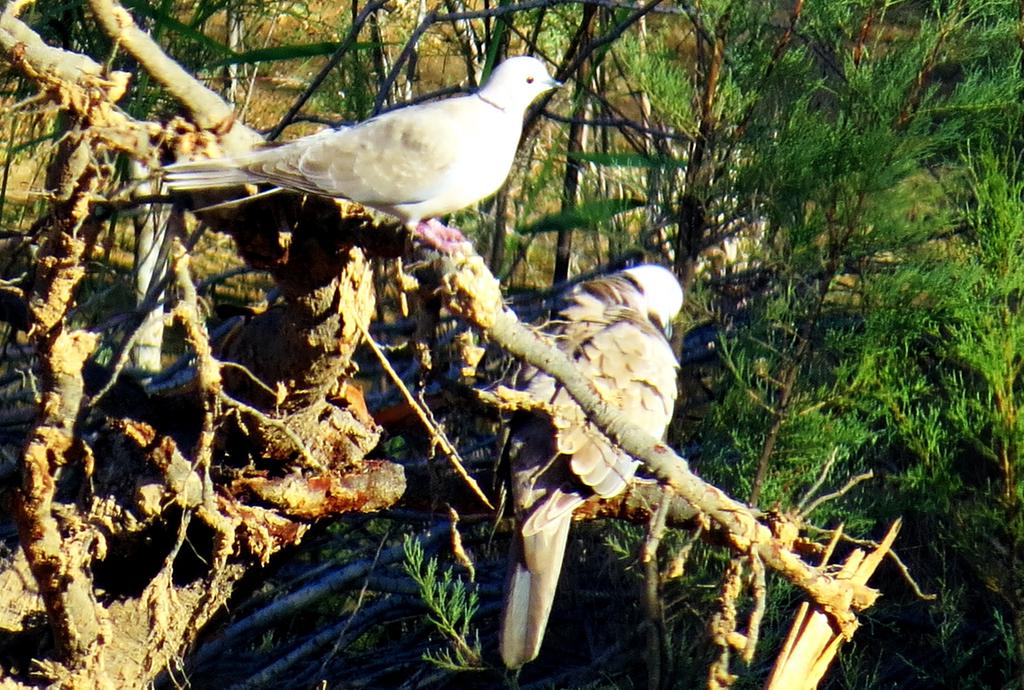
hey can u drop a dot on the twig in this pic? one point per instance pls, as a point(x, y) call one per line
point(826, 555)
point(572, 61)
point(788, 380)
point(653, 605)
point(120, 362)
point(434, 17)
point(252, 377)
point(353, 33)
point(723, 626)
point(891, 554)
point(341, 635)
point(759, 592)
point(251, 88)
point(458, 546)
point(905, 572)
point(153, 299)
point(357, 607)
point(822, 476)
point(619, 123)
point(279, 424)
point(677, 566)
point(207, 368)
point(436, 434)
point(850, 483)
point(115, 203)
point(285, 606)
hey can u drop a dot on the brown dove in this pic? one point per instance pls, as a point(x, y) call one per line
point(614, 329)
point(414, 163)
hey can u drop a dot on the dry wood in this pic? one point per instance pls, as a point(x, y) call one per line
point(474, 294)
point(123, 631)
point(813, 639)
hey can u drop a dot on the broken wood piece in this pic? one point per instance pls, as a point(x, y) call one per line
point(813, 639)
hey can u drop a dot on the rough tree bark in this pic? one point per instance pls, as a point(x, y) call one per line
point(268, 437)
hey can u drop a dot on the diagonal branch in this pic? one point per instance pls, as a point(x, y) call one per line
point(22, 44)
point(473, 294)
point(437, 435)
point(207, 108)
point(335, 60)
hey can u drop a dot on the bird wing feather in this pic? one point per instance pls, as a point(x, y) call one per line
point(402, 157)
point(558, 462)
point(633, 368)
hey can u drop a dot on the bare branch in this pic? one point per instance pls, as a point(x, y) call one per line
point(436, 434)
point(838, 534)
point(850, 483)
point(474, 294)
point(435, 17)
point(314, 84)
point(207, 371)
point(654, 607)
point(76, 83)
point(25, 45)
point(723, 627)
point(813, 638)
point(59, 550)
point(822, 476)
point(208, 110)
point(759, 591)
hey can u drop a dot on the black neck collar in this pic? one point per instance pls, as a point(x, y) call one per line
point(490, 103)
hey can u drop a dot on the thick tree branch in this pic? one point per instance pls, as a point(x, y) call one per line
point(24, 46)
point(78, 511)
point(59, 549)
point(208, 109)
point(76, 84)
point(474, 294)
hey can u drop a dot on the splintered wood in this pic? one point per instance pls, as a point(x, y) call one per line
point(813, 640)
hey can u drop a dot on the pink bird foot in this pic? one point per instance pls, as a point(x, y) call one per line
point(439, 236)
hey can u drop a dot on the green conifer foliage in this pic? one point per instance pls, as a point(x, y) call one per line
point(887, 188)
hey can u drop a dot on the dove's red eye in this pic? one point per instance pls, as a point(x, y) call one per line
point(529, 80)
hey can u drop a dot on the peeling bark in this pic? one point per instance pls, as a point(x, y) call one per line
point(57, 544)
point(102, 524)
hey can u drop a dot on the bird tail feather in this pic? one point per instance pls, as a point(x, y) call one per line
point(535, 563)
point(205, 175)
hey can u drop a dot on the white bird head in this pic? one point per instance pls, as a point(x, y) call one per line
point(514, 83)
point(661, 290)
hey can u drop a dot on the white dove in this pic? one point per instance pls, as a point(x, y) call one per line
point(414, 163)
point(613, 328)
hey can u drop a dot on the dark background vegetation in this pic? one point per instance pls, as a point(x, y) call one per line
point(838, 185)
